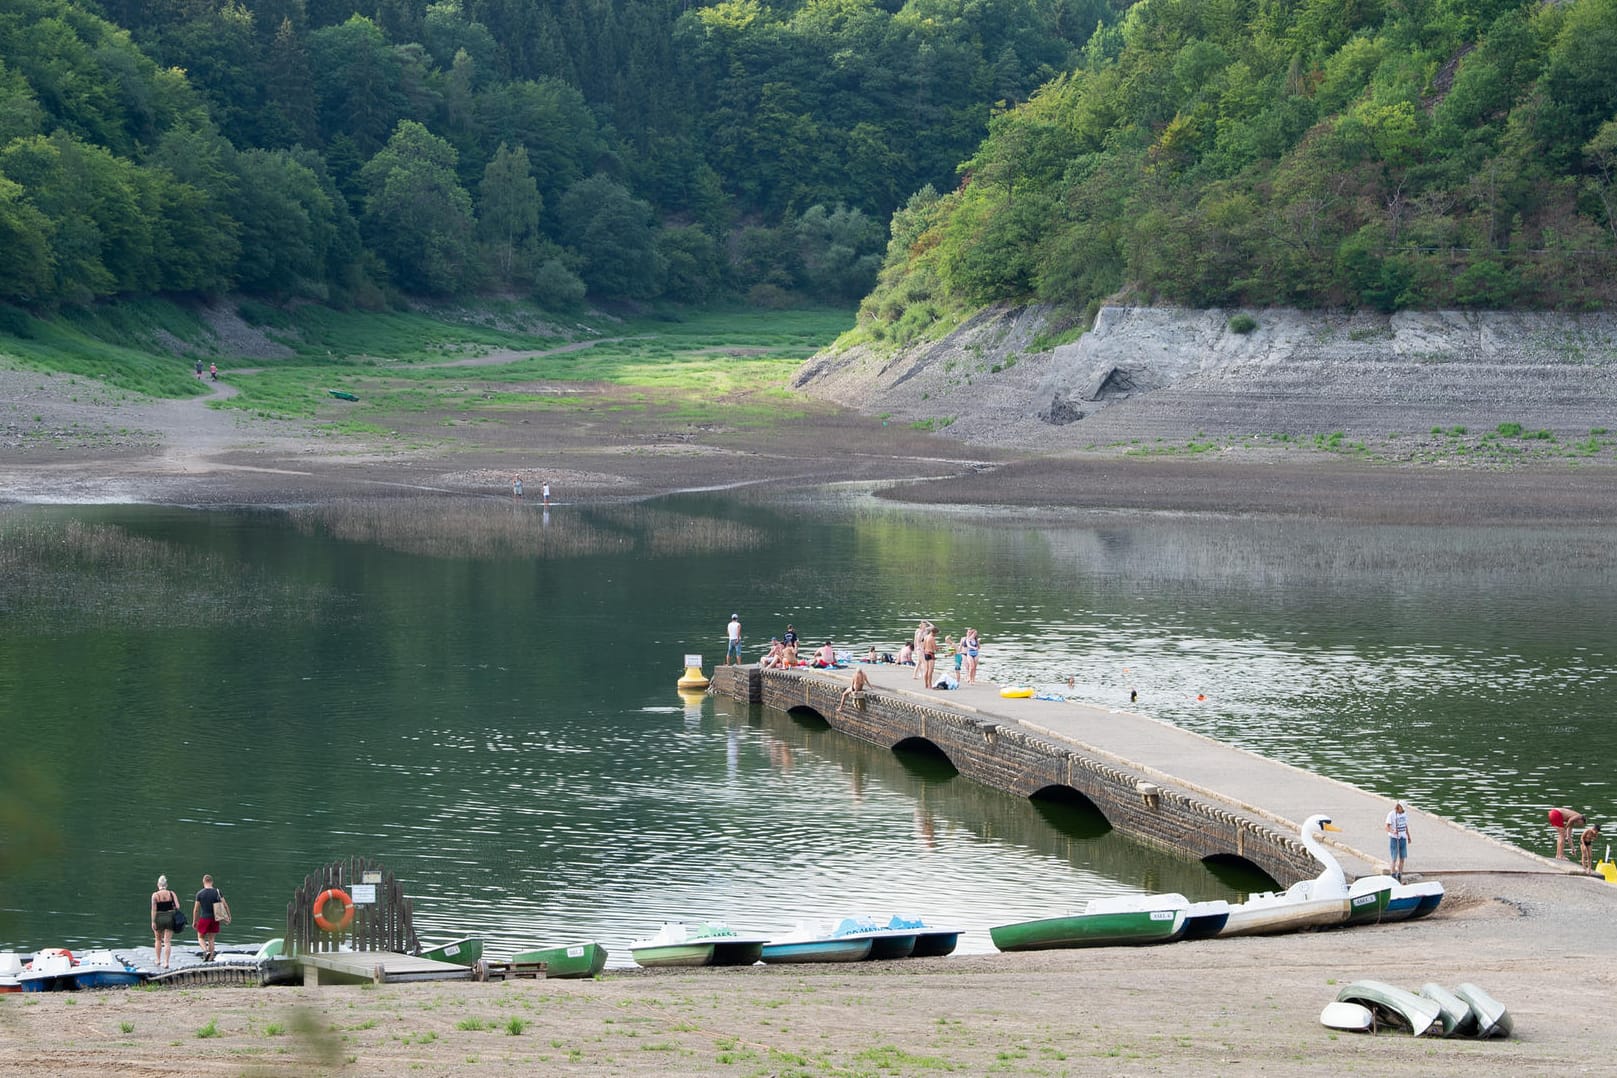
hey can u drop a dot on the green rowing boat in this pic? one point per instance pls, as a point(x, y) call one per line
point(568, 960)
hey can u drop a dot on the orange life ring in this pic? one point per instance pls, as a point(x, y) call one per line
point(320, 910)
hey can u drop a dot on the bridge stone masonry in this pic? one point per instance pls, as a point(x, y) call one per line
point(1155, 782)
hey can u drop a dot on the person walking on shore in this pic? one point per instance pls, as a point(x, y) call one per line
point(1397, 839)
point(732, 647)
point(1564, 820)
point(165, 904)
point(208, 912)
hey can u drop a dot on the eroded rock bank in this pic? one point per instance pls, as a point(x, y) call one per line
point(1429, 386)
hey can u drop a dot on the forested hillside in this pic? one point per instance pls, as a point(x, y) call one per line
point(339, 149)
point(1374, 153)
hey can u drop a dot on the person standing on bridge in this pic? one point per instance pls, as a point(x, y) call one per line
point(732, 635)
point(1397, 839)
point(1564, 820)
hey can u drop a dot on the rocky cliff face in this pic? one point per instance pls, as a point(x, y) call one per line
point(1163, 374)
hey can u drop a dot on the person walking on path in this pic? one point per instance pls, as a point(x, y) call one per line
point(1397, 839)
point(732, 647)
point(199, 368)
point(208, 912)
point(1586, 842)
point(213, 369)
point(1564, 820)
point(165, 904)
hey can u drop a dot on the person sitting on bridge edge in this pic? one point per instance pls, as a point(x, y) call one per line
point(855, 687)
point(1587, 842)
point(1564, 820)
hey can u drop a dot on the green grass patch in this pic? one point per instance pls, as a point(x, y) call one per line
point(933, 423)
point(209, 1030)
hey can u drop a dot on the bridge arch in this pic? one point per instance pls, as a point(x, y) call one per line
point(809, 716)
point(1240, 873)
point(926, 751)
point(1070, 811)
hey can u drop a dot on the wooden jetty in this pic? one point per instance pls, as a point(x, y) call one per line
point(372, 939)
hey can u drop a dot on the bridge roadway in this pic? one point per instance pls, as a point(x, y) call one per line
point(1275, 797)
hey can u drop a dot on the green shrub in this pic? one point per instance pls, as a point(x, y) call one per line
point(1243, 323)
point(1510, 430)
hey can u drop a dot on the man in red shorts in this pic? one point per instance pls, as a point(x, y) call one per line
point(208, 912)
point(1564, 820)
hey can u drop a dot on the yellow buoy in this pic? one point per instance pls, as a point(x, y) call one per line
point(694, 678)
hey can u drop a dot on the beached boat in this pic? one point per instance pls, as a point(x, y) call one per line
point(1394, 1006)
point(1131, 920)
point(1353, 1017)
point(1457, 1017)
point(461, 952)
point(11, 964)
point(103, 969)
point(1204, 920)
point(585, 959)
point(930, 940)
point(1368, 897)
point(814, 942)
point(60, 970)
point(1409, 901)
point(885, 943)
point(1492, 1018)
point(712, 943)
point(1317, 903)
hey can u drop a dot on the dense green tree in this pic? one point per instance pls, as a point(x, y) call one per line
point(25, 237)
point(611, 233)
point(417, 216)
point(508, 205)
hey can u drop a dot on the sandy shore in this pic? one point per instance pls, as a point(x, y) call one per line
point(1539, 944)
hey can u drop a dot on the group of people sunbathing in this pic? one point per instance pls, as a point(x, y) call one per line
point(782, 653)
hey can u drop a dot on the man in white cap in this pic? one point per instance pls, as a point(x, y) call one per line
point(732, 653)
point(1397, 839)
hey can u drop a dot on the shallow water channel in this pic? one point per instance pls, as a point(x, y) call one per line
point(481, 696)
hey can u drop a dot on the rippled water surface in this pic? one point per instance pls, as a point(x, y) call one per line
point(482, 697)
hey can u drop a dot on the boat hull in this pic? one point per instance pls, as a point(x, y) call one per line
point(1267, 918)
point(1492, 1018)
point(673, 954)
point(461, 952)
point(569, 961)
point(935, 944)
point(1123, 929)
point(1395, 1005)
point(1458, 1019)
point(822, 950)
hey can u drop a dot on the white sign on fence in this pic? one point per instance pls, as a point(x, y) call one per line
point(364, 894)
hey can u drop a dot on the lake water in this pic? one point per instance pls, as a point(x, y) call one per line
point(481, 696)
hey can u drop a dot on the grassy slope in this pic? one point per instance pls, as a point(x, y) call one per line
point(702, 365)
